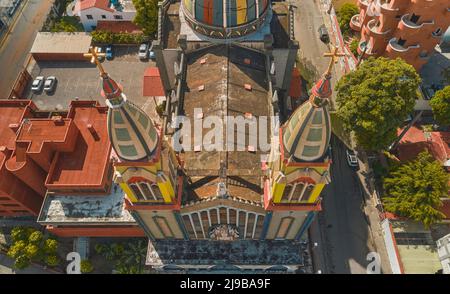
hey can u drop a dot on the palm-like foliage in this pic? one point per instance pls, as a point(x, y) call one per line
point(134, 255)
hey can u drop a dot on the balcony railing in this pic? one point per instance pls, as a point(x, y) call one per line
point(406, 20)
point(393, 43)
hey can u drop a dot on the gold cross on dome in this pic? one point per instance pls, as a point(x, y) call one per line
point(94, 57)
point(334, 55)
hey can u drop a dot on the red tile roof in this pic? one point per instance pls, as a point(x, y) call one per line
point(86, 4)
point(446, 208)
point(152, 83)
point(295, 90)
point(118, 27)
point(415, 141)
point(87, 164)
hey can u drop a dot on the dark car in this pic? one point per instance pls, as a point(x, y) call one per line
point(323, 34)
point(109, 52)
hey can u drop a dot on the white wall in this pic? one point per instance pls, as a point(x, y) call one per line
point(97, 15)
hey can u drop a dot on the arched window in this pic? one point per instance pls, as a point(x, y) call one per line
point(284, 227)
point(286, 193)
point(307, 194)
point(298, 191)
point(146, 191)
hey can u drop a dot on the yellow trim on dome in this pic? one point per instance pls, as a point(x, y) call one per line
point(316, 193)
point(241, 11)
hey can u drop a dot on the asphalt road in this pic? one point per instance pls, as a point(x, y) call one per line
point(15, 48)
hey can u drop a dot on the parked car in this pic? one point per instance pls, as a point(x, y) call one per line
point(37, 84)
point(323, 34)
point(109, 52)
point(50, 84)
point(143, 51)
point(352, 160)
point(151, 53)
point(100, 50)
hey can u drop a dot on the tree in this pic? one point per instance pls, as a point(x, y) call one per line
point(414, 189)
point(146, 15)
point(21, 262)
point(134, 255)
point(347, 11)
point(440, 103)
point(50, 246)
point(51, 260)
point(86, 266)
point(29, 245)
point(374, 100)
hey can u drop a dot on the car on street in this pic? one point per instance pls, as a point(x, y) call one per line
point(50, 84)
point(109, 52)
point(143, 51)
point(101, 51)
point(352, 160)
point(151, 53)
point(323, 34)
point(37, 84)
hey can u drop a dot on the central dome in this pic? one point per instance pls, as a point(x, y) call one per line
point(225, 18)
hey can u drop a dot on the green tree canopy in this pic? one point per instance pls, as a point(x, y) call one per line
point(344, 14)
point(414, 189)
point(29, 245)
point(146, 15)
point(374, 100)
point(440, 104)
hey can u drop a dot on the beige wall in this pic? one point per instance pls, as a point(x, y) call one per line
point(299, 218)
point(147, 218)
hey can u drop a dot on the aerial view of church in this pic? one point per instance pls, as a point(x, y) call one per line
point(225, 137)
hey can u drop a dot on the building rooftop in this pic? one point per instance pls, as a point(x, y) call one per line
point(87, 164)
point(11, 112)
point(61, 43)
point(84, 209)
point(239, 88)
point(417, 250)
point(118, 27)
point(241, 252)
point(152, 83)
point(416, 140)
point(279, 24)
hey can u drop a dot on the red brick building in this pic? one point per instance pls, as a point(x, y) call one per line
point(409, 29)
point(59, 168)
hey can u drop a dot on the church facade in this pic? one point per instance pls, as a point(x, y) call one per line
point(225, 205)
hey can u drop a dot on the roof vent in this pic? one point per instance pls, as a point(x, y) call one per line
point(251, 148)
point(247, 61)
point(203, 61)
point(201, 88)
point(248, 115)
point(248, 87)
point(58, 120)
point(14, 127)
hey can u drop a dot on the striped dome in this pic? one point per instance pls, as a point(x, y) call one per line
point(225, 13)
point(131, 132)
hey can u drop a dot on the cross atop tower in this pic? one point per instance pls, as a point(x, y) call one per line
point(94, 57)
point(334, 55)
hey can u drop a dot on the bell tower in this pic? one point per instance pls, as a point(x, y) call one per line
point(299, 165)
point(145, 166)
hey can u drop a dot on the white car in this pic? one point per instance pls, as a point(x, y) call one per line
point(143, 51)
point(352, 160)
point(50, 84)
point(36, 86)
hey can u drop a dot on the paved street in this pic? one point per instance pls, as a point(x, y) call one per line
point(345, 235)
point(15, 48)
point(308, 18)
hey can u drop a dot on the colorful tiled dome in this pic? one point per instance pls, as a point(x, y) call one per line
point(225, 18)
